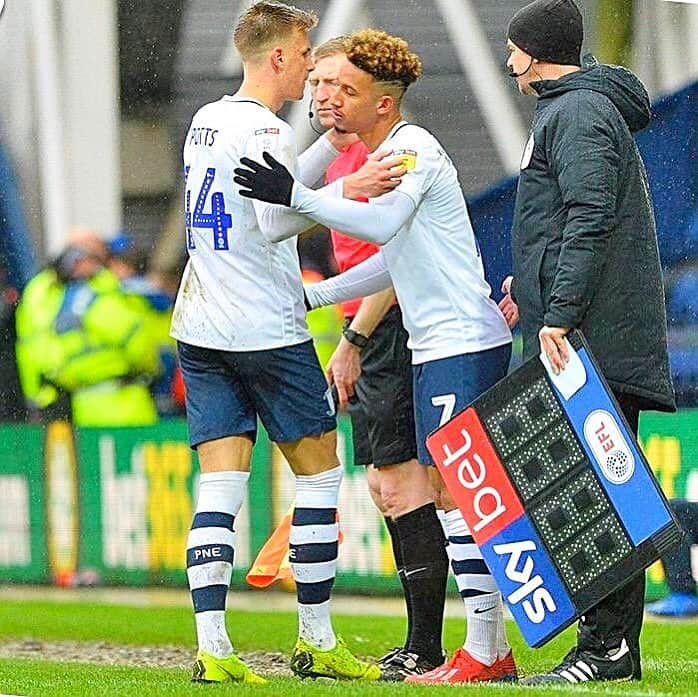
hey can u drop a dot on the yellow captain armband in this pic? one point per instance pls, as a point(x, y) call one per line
point(408, 157)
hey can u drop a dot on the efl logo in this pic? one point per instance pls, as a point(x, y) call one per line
point(474, 475)
point(535, 599)
point(609, 447)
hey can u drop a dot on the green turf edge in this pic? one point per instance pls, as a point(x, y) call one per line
point(670, 649)
point(47, 679)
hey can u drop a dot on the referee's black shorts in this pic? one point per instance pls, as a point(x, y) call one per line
point(382, 414)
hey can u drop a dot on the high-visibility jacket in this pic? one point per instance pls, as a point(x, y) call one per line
point(324, 324)
point(160, 307)
point(92, 340)
point(38, 307)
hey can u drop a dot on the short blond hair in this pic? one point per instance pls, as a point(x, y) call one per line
point(266, 22)
point(387, 58)
point(331, 47)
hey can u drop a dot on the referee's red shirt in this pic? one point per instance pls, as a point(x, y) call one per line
point(348, 251)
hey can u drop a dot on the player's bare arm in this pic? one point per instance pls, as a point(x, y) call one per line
point(344, 368)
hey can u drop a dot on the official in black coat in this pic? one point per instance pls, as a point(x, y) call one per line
point(585, 256)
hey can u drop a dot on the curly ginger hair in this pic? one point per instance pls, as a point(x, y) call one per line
point(387, 58)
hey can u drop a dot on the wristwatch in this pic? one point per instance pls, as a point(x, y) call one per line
point(355, 338)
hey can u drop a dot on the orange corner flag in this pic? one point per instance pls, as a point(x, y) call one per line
point(272, 562)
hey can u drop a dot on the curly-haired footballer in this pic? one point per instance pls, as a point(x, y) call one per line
point(460, 341)
point(386, 58)
point(373, 364)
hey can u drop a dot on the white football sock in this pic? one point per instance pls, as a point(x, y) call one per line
point(314, 543)
point(482, 600)
point(210, 556)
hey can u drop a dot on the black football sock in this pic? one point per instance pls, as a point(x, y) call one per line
point(425, 565)
point(400, 566)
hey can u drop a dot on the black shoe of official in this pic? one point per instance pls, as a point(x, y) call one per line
point(399, 663)
point(580, 666)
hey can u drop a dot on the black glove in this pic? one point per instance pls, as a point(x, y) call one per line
point(272, 184)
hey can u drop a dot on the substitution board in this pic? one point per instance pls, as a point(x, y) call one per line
point(555, 490)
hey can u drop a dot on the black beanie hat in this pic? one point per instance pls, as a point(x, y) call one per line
point(549, 30)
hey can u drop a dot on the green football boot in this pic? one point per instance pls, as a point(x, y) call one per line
point(339, 663)
point(208, 668)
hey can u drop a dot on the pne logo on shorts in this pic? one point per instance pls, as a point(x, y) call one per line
point(474, 475)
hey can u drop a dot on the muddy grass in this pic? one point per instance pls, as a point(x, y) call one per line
point(105, 653)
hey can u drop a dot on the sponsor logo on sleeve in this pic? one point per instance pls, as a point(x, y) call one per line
point(267, 138)
point(408, 157)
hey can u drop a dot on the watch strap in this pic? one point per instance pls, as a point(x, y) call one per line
point(355, 338)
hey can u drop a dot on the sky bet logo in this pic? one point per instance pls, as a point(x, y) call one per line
point(535, 600)
point(474, 475)
point(530, 584)
point(480, 486)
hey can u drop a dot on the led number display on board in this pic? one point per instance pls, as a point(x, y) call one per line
point(548, 477)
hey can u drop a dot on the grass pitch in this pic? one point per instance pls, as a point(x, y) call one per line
point(670, 651)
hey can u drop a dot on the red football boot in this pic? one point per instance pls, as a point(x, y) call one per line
point(507, 666)
point(463, 668)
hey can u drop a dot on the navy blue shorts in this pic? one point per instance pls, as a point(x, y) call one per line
point(227, 390)
point(446, 386)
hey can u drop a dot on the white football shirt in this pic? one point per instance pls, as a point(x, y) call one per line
point(429, 251)
point(434, 260)
point(239, 291)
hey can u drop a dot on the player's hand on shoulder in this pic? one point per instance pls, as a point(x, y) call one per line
point(272, 183)
point(507, 305)
point(344, 370)
point(381, 173)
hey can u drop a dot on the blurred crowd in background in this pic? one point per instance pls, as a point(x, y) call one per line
point(87, 339)
point(151, 65)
